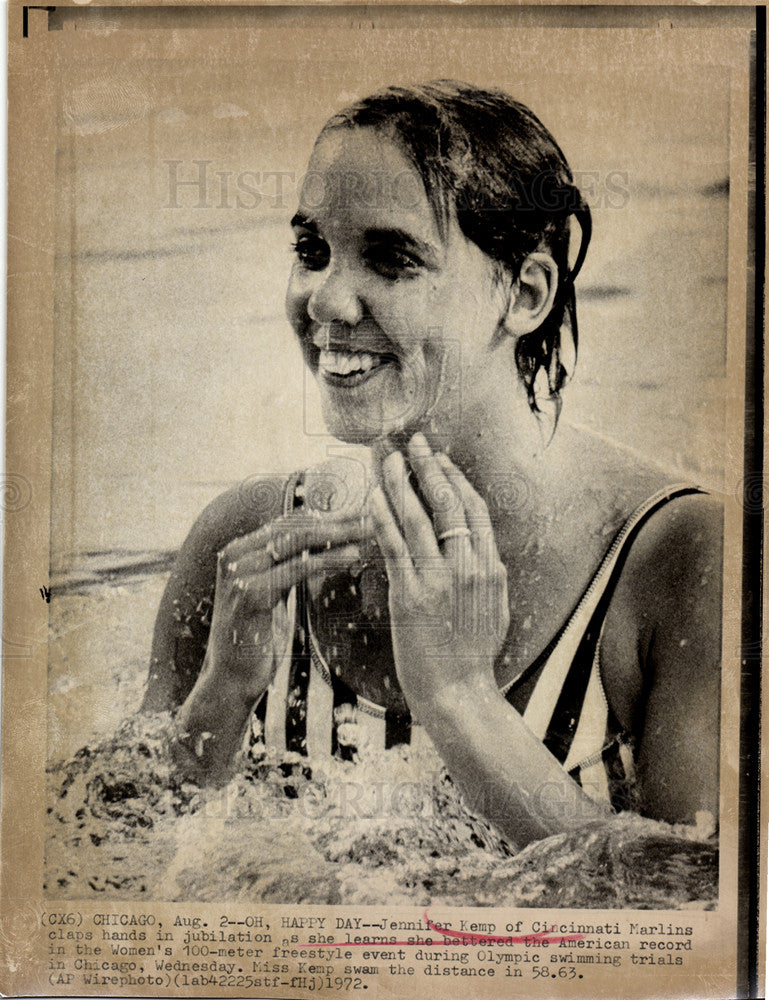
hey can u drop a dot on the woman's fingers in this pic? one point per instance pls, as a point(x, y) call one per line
point(477, 512)
point(415, 523)
point(263, 589)
point(291, 535)
point(442, 499)
point(287, 574)
point(391, 543)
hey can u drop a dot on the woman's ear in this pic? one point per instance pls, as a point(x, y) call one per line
point(533, 294)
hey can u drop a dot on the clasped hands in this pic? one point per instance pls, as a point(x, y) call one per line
point(447, 585)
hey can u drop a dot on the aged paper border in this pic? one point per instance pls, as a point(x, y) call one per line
point(32, 104)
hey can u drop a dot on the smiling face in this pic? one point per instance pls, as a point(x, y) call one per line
point(396, 321)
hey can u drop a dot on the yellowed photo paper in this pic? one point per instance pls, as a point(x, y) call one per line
point(381, 562)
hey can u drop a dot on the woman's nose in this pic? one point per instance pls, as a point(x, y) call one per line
point(335, 298)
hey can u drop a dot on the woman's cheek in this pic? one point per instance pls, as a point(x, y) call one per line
point(292, 302)
point(298, 291)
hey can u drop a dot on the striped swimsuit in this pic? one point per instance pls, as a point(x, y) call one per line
point(309, 709)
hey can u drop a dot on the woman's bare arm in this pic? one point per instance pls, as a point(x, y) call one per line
point(449, 615)
point(662, 649)
point(214, 645)
point(183, 621)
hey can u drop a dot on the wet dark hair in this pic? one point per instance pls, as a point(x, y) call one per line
point(492, 160)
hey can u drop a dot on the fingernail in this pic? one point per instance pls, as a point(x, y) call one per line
point(420, 441)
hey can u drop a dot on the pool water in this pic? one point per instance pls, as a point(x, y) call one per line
point(125, 823)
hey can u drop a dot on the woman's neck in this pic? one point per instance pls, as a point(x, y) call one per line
point(511, 457)
point(555, 488)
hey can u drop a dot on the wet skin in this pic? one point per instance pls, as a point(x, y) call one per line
point(410, 329)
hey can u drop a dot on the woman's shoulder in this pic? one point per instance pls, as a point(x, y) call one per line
point(666, 607)
point(686, 520)
point(674, 560)
point(679, 541)
point(240, 509)
point(663, 623)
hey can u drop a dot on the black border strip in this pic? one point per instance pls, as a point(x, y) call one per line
point(752, 499)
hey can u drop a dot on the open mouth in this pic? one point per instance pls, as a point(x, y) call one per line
point(347, 368)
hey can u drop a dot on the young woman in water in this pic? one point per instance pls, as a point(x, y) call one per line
point(544, 607)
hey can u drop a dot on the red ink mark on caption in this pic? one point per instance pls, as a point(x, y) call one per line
point(541, 937)
point(462, 938)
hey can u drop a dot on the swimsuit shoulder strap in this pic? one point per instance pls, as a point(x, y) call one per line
point(584, 619)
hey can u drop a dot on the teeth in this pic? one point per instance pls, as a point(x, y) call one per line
point(344, 362)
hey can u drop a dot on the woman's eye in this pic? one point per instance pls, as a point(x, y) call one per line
point(311, 251)
point(392, 262)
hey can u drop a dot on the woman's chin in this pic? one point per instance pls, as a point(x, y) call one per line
point(352, 435)
point(360, 434)
point(394, 432)
point(364, 427)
